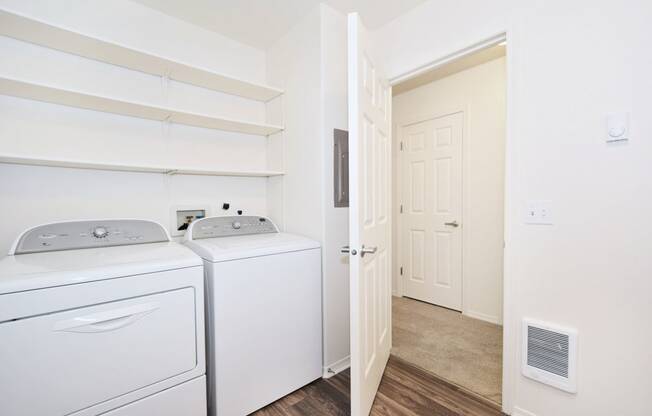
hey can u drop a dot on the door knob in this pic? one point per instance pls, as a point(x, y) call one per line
point(452, 224)
point(347, 250)
point(367, 250)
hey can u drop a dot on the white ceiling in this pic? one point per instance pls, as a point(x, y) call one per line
point(260, 23)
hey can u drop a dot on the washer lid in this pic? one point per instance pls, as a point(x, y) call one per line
point(59, 268)
point(256, 245)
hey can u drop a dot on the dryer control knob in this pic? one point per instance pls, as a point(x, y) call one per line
point(100, 232)
point(236, 225)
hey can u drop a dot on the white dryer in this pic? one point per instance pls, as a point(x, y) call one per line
point(101, 317)
point(264, 324)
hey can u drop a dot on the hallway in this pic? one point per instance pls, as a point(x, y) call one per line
point(459, 349)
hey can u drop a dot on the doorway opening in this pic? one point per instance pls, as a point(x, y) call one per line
point(449, 130)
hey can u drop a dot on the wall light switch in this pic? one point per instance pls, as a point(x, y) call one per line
point(531, 214)
point(617, 127)
point(538, 212)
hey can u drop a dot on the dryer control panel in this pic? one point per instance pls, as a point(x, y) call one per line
point(212, 227)
point(74, 235)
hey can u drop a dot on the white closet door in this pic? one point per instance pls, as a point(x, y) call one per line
point(432, 210)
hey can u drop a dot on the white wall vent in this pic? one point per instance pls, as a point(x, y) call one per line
point(550, 355)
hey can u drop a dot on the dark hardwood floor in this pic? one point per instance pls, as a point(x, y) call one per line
point(405, 390)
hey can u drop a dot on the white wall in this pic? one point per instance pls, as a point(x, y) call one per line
point(336, 220)
point(480, 93)
point(569, 64)
point(309, 62)
point(293, 64)
point(32, 195)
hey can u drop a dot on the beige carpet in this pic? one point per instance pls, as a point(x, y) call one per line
point(462, 350)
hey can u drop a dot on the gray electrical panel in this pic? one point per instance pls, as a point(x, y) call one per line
point(341, 168)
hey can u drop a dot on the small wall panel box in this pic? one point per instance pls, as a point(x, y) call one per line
point(341, 168)
point(182, 215)
point(550, 355)
point(617, 127)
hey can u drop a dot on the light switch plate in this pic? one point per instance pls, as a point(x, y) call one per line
point(538, 212)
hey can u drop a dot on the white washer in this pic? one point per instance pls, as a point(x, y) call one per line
point(264, 326)
point(101, 317)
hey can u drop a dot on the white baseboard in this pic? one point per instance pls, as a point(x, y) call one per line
point(336, 367)
point(483, 317)
point(520, 412)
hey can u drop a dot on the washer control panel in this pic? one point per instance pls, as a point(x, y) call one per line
point(212, 227)
point(89, 234)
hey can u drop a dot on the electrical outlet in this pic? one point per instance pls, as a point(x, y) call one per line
point(538, 212)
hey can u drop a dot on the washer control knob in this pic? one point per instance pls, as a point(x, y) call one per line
point(236, 225)
point(100, 232)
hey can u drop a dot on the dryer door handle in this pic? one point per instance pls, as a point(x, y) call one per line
point(106, 321)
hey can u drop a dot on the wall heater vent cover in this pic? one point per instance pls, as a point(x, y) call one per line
point(550, 355)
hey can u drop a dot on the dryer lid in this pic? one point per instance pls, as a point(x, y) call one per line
point(74, 252)
point(61, 268)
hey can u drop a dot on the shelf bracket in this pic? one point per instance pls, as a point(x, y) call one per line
point(165, 125)
point(165, 86)
point(165, 80)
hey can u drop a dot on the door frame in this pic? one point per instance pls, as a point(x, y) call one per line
point(511, 210)
point(398, 134)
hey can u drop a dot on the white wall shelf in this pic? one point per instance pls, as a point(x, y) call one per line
point(49, 94)
point(61, 163)
point(35, 31)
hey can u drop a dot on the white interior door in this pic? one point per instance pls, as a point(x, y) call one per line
point(431, 221)
point(369, 182)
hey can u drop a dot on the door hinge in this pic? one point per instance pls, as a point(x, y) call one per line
point(401, 270)
point(401, 146)
point(401, 209)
